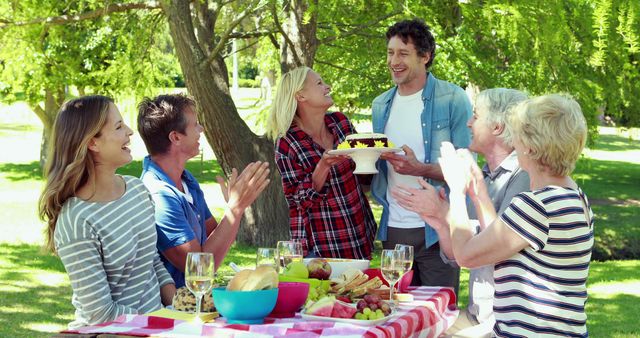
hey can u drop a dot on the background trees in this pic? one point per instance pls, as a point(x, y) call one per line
point(80, 48)
point(589, 49)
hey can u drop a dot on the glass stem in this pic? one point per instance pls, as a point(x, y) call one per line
point(391, 302)
point(198, 304)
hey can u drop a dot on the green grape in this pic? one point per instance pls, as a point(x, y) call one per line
point(379, 313)
point(366, 311)
point(360, 316)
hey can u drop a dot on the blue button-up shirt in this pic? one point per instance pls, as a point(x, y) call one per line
point(177, 220)
point(444, 118)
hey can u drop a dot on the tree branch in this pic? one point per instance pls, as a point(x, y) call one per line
point(225, 36)
point(358, 28)
point(250, 35)
point(345, 69)
point(287, 40)
point(243, 48)
point(63, 19)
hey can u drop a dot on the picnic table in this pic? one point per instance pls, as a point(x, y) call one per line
point(429, 314)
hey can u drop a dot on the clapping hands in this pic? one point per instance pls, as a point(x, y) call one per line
point(241, 190)
point(460, 170)
point(428, 202)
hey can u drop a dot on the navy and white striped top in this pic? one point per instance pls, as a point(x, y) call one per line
point(541, 291)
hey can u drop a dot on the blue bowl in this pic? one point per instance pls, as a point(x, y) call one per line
point(244, 307)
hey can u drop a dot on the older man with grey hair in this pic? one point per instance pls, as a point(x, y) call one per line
point(504, 180)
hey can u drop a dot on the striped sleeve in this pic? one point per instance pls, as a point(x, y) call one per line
point(164, 277)
point(527, 217)
point(81, 257)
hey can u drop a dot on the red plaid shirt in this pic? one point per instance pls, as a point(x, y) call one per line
point(336, 221)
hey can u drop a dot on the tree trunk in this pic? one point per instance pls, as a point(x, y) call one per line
point(54, 98)
point(299, 46)
point(232, 141)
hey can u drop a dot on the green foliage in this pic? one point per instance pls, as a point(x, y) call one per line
point(248, 83)
point(589, 49)
point(111, 54)
point(352, 60)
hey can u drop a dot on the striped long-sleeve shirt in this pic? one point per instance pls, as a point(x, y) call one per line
point(109, 252)
point(541, 291)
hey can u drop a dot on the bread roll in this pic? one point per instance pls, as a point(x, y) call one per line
point(262, 278)
point(239, 280)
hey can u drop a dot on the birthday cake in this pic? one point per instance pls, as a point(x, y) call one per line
point(365, 140)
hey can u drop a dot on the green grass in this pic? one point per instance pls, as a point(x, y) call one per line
point(609, 174)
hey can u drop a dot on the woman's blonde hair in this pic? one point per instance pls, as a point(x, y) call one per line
point(553, 128)
point(283, 110)
point(69, 165)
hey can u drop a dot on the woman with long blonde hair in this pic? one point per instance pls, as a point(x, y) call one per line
point(328, 211)
point(101, 224)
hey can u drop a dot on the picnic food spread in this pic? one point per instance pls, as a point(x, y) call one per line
point(365, 140)
point(336, 299)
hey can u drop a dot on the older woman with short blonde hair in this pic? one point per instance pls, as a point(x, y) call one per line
point(541, 244)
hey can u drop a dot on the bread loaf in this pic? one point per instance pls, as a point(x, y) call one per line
point(262, 278)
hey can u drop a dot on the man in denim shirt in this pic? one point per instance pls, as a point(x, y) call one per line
point(419, 113)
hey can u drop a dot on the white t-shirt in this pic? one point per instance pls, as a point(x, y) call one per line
point(404, 127)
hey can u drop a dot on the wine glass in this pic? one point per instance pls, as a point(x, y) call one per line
point(289, 251)
point(406, 257)
point(267, 256)
point(391, 267)
point(198, 275)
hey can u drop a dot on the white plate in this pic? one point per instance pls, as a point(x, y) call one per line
point(360, 322)
point(365, 158)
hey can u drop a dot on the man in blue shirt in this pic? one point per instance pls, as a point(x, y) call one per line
point(419, 113)
point(169, 127)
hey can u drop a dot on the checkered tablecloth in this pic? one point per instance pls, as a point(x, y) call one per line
point(429, 315)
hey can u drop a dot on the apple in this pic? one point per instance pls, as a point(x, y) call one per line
point(296, 269)
point(319, 268)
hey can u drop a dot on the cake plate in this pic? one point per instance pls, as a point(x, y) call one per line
point(365, 158)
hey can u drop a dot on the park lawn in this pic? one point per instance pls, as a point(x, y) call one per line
point(35, 296)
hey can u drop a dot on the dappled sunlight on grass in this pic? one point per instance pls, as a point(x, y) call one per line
point(35, 296)
point(53, 279)
point(21, 171)
point(44, 327)
point(612, 316)
point(610, 289)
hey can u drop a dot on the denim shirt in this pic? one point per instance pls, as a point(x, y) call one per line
point(177, 220)
point(444, 118)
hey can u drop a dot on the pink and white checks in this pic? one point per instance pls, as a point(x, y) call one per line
point(429, 315)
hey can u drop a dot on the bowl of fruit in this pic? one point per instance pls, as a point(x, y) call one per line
point(369, 311)
point(317, 279)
